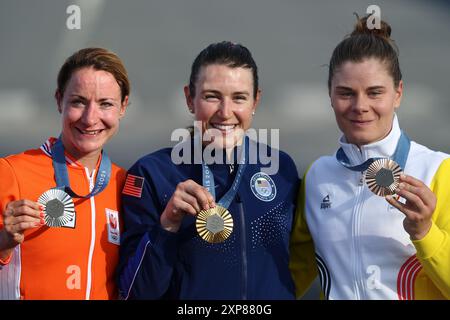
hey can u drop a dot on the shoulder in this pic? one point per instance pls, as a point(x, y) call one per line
point(322, 164)
point(420, 151)
point(273, 161)
point(423, 161)
point(118, 173)
point(157, 160)
point(25, 158)
point(263, 150)
point(444, 170)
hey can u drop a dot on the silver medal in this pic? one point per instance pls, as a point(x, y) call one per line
point(59, 208)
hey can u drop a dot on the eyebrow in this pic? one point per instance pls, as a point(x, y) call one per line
point(376, 87)
point(218, 92)
point(350, 89)
point(83, 97)
point(242, 92)
point(211, 91)
point(343, 88)
point(77, 96)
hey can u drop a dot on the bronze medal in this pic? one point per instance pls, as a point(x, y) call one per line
point(214, 225)
point(59, 208)
point(382, 177)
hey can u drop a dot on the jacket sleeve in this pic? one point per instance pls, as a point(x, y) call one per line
point(147, 252)
point(9, 191)
point(433, 250)
point(302, 255)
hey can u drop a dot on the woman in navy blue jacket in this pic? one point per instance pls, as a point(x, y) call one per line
point(211, 229)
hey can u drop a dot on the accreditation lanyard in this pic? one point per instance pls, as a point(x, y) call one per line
point(62, 176)
point(400, 155)
point(208, 178)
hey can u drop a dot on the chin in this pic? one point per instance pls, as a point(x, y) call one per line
point(360, 141)
point(223, 143)
point(88, 147)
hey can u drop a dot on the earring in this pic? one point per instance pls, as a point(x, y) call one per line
point(253, 113)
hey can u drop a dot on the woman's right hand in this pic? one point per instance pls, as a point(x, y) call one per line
point(19, 215)
point(189, 198)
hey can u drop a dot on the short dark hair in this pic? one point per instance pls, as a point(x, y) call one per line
point(365, 43)
point(99, 59)
point(224, 53)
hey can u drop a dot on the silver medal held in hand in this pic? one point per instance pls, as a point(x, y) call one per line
point(59, 208)
point(382, 177)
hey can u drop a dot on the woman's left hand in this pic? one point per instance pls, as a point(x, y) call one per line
point(419, 206)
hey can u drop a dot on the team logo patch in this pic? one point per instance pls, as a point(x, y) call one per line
point(112, 222)
point(326, 202)
point(263, 187)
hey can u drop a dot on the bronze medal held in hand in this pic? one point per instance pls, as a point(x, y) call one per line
point(382, 177)
point(214, 225)
point(59, 208)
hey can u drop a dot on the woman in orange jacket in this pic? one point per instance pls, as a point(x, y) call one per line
point(59, 204)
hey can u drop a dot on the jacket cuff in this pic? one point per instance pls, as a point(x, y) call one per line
point(428, 245)
point(165, 242)
point(4, 262)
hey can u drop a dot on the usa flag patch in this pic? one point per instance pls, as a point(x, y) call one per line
point(133, 186)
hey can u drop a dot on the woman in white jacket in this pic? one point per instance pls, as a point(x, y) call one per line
point(374, 217)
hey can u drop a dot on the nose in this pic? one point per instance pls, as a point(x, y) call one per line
point(226, 108)
point(360, 104)
point(90, 114)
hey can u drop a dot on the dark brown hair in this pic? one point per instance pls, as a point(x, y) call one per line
point(99, 59)
point(226, 53)
point(364, 43)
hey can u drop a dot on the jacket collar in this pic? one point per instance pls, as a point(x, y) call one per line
point(383, 148)
point(46, 147)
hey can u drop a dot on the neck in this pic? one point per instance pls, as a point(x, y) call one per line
point(88, 160)
point(359, 145)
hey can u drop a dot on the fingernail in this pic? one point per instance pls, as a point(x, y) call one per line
point(403, 176)
point(41, 208)
point(42, 221)
point(42, 214)
point(388, 197)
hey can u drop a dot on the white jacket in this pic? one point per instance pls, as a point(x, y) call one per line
point(361, 248)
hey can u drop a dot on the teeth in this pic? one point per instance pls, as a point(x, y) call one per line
point(224, 127)
point(91, 133)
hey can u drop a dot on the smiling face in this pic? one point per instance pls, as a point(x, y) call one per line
point(364, 99)
point(91, 108)
point(223, 102)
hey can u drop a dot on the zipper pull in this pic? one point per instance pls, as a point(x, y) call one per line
point(361, 179)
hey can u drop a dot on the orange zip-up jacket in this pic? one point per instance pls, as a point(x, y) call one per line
point(76, 261)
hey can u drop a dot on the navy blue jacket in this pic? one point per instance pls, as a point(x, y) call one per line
point(251, 264)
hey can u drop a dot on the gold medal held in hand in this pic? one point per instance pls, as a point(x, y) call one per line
point(214, 225)
point(382, 177)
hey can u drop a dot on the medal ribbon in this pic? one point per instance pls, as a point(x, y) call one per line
point(400, 155)
point(208, 178)
point(62, 176)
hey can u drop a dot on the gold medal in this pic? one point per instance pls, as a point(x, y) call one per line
point(59, 208)
point(382, 177)
point(214, 225)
